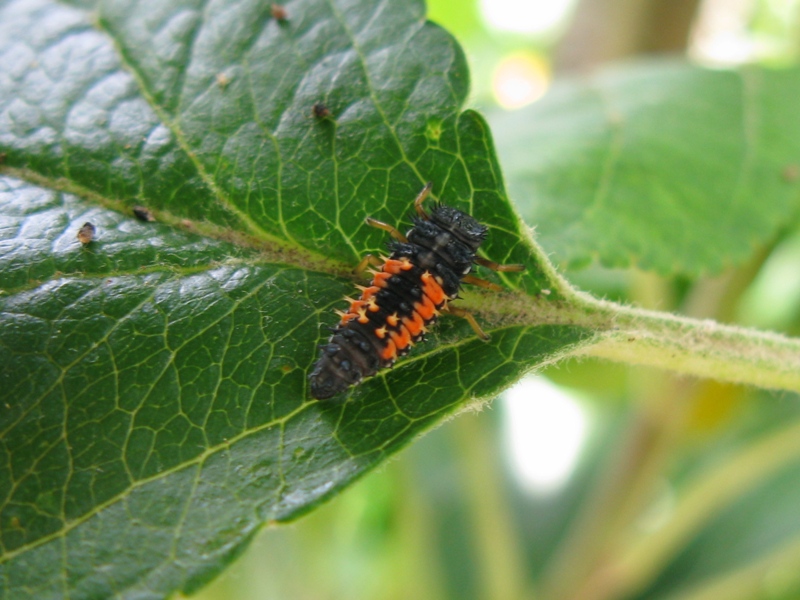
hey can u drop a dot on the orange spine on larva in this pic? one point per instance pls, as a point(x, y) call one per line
point(426, 308)
point(401, 338)
point(415, 325)
point(433, 290)
point(389, 353)
point(396, 266)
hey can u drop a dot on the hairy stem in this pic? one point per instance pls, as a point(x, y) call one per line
point(702, 348)
point(698, 347)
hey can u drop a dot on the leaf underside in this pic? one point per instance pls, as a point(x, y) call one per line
point(154, 409)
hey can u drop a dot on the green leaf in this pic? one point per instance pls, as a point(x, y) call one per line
point(154, 411)
point(662, 165)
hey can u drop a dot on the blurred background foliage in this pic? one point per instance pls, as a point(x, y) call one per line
point(590, 480)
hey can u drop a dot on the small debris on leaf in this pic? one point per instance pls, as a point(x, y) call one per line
point(143, 214)
point(321, 111)
point(86, 233)
point(223, 80)
point(279, 12)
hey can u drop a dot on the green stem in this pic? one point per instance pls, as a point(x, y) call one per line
point(578, 571)
point(776, 575)
point(501, 571)
point(702, 500)
point(699, 347)
point(702, 348)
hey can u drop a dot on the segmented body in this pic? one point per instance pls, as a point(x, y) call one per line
point(406, 295)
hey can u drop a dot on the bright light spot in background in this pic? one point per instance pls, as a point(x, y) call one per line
point(545, 429)
point(519, 79)
point(525, 16)
point(720, 35)
point(731, 32)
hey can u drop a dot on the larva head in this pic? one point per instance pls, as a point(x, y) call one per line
point(463, 226)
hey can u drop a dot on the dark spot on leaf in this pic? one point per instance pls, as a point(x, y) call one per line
point(143, 214)
point(321, 111)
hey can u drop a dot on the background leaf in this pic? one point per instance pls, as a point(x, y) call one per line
point(663, 165)
point(740, 488)
point(154, 409)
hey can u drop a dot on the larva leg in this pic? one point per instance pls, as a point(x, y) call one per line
point(490, 264)
point(386, 227)
point(460, 312)
point(369, 259)
point(482, 283)
point(421, 198)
